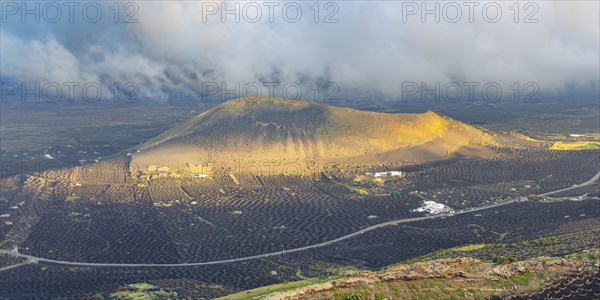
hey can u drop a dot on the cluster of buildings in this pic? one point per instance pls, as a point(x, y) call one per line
point(433, 207)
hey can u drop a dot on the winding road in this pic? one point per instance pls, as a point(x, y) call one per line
point(15, 252)
point(591, 181)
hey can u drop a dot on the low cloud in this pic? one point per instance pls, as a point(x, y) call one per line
point(175, 47)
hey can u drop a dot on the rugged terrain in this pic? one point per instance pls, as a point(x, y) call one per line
point(458, 278)
point(111, 228)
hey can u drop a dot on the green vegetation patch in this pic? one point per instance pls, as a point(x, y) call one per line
point(257, 293)
point(142, 291)
point(502, 253)
point(141, 286)
point(575, 146)
point(471, 247)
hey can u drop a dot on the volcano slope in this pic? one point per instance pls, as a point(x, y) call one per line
point(270, 130)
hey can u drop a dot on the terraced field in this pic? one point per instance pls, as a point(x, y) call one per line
point(81, 215)
point(398, 243)
point(234, 215)
point(509, 223)
point(584, 285)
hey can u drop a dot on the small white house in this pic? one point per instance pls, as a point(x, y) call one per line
point(386, 174)
point(199, 175)
point(433, 207)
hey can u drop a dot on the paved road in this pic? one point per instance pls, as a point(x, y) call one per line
point(591, 181)
point(30, 258)
point(13, 266)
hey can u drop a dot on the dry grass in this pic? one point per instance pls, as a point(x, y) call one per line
point(575, 146)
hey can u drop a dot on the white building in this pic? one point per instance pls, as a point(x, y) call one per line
point(433, 207)
point(386, 174)
point(199, 175)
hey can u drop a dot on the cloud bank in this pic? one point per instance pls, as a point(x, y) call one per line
point(175, 48)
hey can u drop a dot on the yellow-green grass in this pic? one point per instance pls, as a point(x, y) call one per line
point(142, 286)
point(471, 247)
point(575, 146)
point(131, 295)
point(425, 288)
point(141, 291)
point(276, 288)
point(357, 190)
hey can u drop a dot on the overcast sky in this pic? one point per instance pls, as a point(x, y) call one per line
point(176, 46)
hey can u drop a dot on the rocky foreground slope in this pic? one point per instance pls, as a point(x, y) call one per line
point(457, 278)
